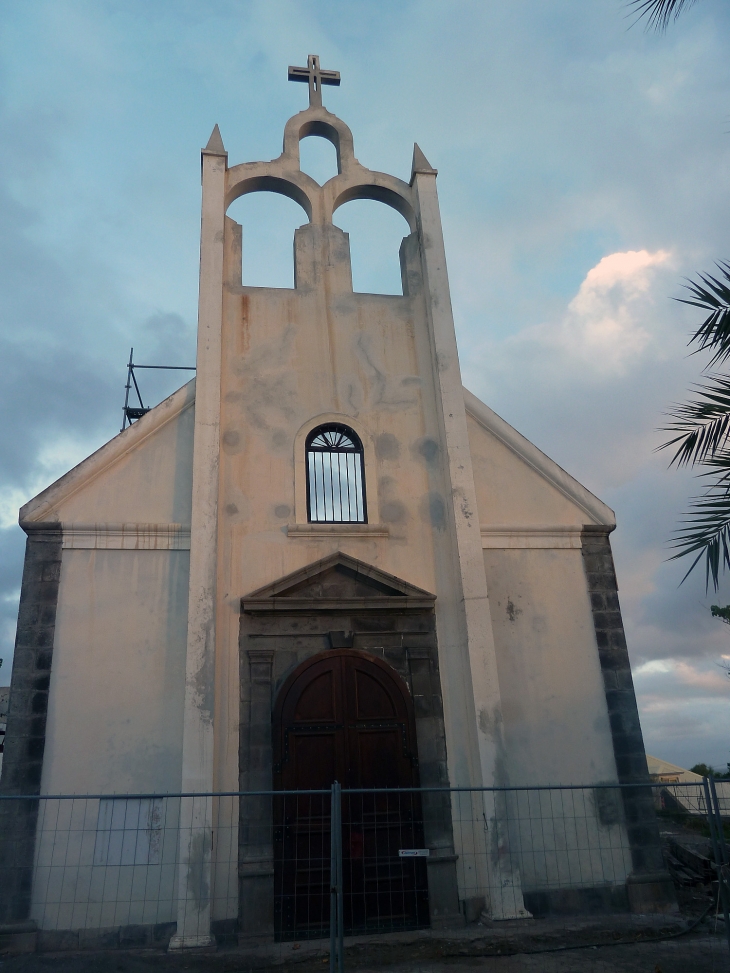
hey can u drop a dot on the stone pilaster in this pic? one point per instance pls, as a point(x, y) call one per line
point(465, 631)
point(649, 885)
point(26, 726)
point(196, 824)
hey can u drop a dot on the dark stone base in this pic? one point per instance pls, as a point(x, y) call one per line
point(652, 894)
point(472, 908)
point(598, 900)
point(225, 931)
point(18, 937)
point(139, 936)
point(25, 736)
point(443, 893)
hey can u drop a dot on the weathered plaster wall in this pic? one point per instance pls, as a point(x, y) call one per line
point(116, 697)
point(142, 476)
point(288, 357)
point(509, 491)
point(149, 484)
point(556, 722)
point(553, 701)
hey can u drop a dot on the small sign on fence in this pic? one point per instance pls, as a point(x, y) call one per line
point(413, 852)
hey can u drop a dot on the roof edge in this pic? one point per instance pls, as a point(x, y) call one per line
point(41, 507)
point(599, 512)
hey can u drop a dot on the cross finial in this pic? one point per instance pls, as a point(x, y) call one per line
point(315, 77)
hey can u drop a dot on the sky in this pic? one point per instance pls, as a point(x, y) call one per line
point(583, 175)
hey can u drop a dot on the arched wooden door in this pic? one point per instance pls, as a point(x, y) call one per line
point(345, 716)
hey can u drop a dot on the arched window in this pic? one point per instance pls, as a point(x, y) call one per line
point(335, 476)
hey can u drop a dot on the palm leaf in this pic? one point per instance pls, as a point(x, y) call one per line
point(707, 533)
point(659, 13)
point(712, 295)
point(703, 426)
point(719, 468)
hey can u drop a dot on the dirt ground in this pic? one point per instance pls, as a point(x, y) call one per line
point(699, 951)
point(700, 955)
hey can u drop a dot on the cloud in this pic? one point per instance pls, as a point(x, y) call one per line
point(606, 328)
point(693, 679)
point(684, 707)
point(604, 325)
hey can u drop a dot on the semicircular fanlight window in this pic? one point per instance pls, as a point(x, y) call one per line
point(335, 476)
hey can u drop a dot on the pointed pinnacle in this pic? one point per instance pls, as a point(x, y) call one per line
point(215, 143)
point(421, 163)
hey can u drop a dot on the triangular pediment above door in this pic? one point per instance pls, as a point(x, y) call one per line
point(337, 583)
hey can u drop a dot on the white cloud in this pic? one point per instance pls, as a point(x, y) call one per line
point(654, 666)
point(605, 326)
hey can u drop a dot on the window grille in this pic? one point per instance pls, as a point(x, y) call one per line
point(335, 476)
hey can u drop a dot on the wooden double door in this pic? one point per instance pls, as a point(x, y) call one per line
point(346, 716)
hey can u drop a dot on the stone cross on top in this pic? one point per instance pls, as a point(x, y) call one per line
point(315, 77)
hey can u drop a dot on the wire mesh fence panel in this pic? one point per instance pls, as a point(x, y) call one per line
point(301, 853)
point(540, 851)
point(304, 866)
point(103, 863)
point(385, 880)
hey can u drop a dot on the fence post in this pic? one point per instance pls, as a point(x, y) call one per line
point(336, 930)
point(725, 860)
point(340, 890)
point(718, 848)
point(718, 823)
point(333, 882)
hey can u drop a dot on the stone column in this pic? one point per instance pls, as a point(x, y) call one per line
point(26, 729)
point(470, 669)
point(649, 885)
point(196, 826)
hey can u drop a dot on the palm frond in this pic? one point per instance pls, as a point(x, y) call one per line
point(659, 13)
point(713, 295)
point(719, 467)
point(703, 426)
point(707, 533)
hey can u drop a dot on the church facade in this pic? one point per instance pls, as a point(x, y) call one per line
point(323, 520)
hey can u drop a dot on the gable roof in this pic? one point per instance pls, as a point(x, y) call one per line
point(662, 768)
point(597, 510)
point(41, 508)
point(362, 585)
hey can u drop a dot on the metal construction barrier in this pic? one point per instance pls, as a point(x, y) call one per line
point(567, 865)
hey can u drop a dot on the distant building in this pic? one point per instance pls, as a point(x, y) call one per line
point(662, 772)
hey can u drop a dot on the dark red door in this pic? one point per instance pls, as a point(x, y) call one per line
point(344, 716)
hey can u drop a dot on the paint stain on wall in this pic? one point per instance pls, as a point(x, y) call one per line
point(512, 610)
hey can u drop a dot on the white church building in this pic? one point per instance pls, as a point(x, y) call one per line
point(323, 558)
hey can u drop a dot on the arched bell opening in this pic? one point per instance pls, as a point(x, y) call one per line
point(268, 219)
point(320, 134)
point(320, 122)
point(319, 157)
point(376, 233)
